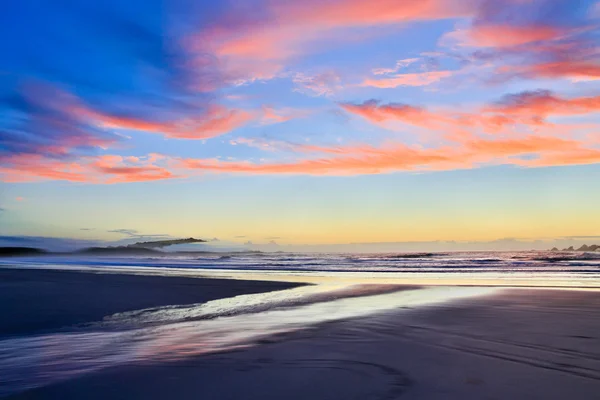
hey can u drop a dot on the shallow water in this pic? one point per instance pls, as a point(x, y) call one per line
point(174, 333)
point(344, 286)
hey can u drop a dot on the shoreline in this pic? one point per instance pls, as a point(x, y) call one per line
point(515, 343)
point(480, 279)
point(337, 338)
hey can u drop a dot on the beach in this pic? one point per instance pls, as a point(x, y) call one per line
point(368, 341)
point(39, 300)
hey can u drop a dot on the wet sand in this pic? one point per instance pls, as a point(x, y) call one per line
point(36, 300)
point(516, 344)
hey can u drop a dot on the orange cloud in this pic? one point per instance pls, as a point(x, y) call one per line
point(528, 151)
point(579, 156)
point(106, 169)
point(520, 146)
point(399, 157)
point(365, 160)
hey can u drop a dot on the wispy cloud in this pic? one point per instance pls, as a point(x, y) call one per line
point(135, 234)
point(399, 65)
point(322, 84)
point(127, 232)
point(582, 237)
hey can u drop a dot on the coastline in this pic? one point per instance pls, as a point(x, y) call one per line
point(339, 338)
point(517, 344)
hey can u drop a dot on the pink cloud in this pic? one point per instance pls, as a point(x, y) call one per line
point(515, 113)
point(542, 103)
point(576, 70)
point(378, 113)
point(275, 116)
point(529, 39)
point(594, 10)
point(214, 121)
point(411, 79)
point(260, 47)
point(503, 35)
point(517, 130)
point(513, 131)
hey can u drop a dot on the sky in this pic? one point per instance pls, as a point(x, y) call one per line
point(300, 123)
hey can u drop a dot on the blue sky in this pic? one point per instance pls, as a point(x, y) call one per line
point(313, 122)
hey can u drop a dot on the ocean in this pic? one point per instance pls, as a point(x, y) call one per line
point(454, 262)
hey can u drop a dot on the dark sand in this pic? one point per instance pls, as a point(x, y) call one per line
point(35, 300)
point(518, 344)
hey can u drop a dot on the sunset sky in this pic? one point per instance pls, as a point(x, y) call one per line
point(313, 121)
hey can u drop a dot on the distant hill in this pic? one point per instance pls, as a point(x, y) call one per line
point(118, 250)
point(21, 251)
point(593, 247)
point(140, 248)
point(157, 244)
point(585, 247)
